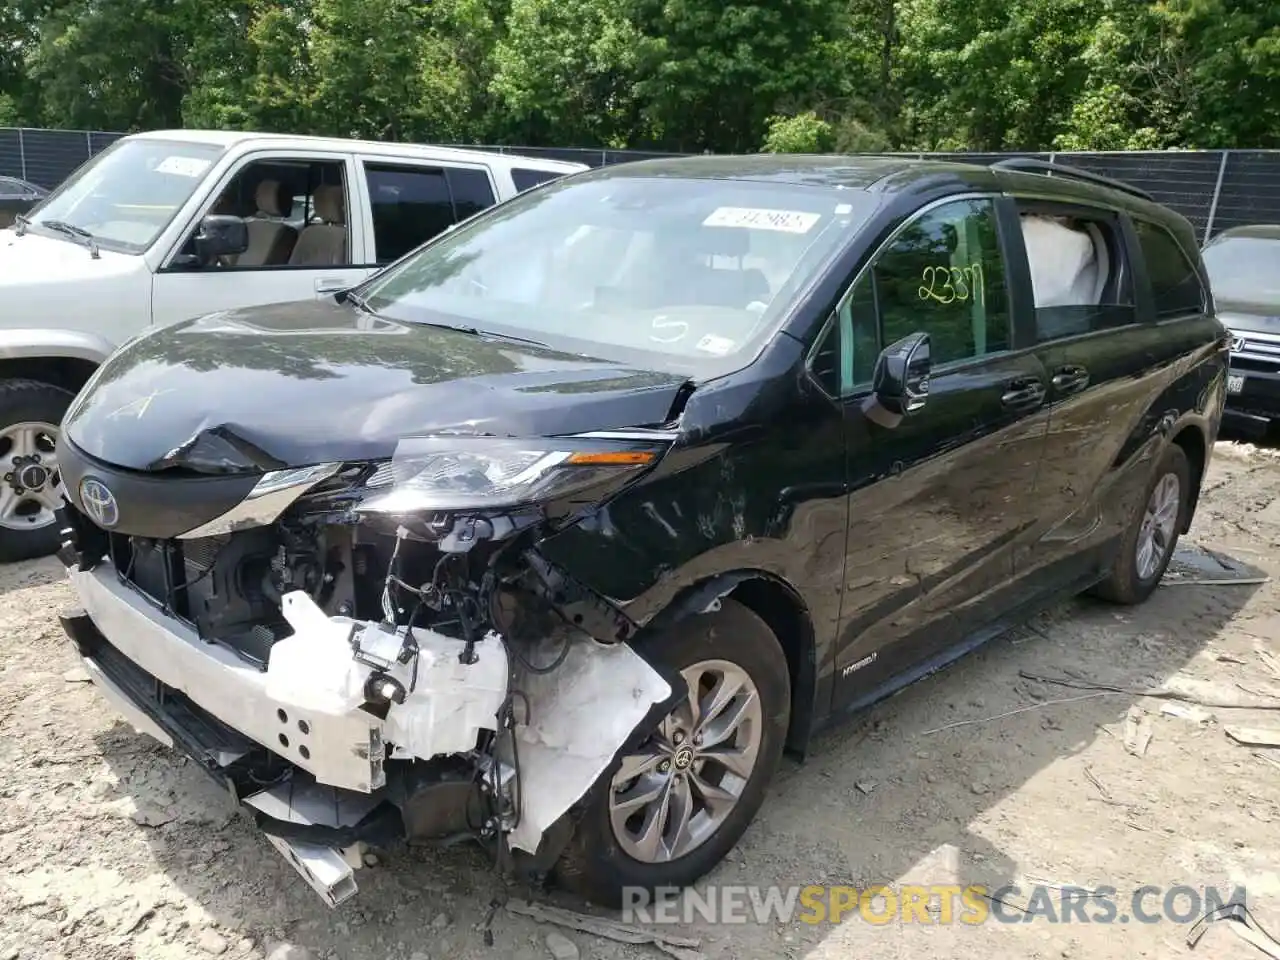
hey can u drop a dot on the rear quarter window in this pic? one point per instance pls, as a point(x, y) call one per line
point(1175, 285)
point(525, 179)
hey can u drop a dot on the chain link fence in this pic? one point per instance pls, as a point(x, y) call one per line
point(1214, 189)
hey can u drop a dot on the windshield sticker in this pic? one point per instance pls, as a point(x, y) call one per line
point(183, 166)
point(717, 345)
point(754, 218)
point(843, 208)
point(950, 284)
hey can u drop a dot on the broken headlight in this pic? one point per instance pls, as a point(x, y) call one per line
point(444, 474)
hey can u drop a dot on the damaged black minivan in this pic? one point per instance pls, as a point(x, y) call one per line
point(557, 532)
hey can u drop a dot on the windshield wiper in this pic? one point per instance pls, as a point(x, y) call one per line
point(485, 334)
point(76, 233)
point(23, 222)
point(357, 301)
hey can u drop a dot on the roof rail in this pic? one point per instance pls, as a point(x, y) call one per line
point(1032, 165)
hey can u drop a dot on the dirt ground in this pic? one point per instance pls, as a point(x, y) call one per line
point(113, 847)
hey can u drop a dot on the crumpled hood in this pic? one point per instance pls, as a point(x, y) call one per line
point(313, 382)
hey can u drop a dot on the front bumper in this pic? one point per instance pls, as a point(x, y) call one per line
point(1253, 384)
point(342, 750)
point(361, 779)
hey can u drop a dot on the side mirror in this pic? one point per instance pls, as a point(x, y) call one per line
point(900, 384)
point(221, 236)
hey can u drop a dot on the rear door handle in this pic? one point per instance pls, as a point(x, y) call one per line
point(1070, 378)
point(1023, 392)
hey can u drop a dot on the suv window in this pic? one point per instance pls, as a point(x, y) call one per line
point(413, 204)
point(295, 212)
point(944, 276)
point(1175, 285)
point(1080, 275)
point(525, 179)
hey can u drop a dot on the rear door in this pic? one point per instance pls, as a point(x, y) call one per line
point(1111, 344)
point(410, 202)
point(938, 503)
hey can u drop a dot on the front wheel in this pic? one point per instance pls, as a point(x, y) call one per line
point(30, 412)
point(668, 812)
point(1149, 542)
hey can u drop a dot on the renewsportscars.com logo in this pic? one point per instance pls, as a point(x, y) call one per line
point(938, 904)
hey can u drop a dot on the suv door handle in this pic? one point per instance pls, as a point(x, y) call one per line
point(1070, 378)
point(331, 284)
point(1023, 392)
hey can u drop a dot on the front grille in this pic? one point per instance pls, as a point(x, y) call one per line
point(1255, 352)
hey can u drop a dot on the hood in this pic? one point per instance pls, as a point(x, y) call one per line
point(1243, 316)
point(34, 258)
point(314, 382)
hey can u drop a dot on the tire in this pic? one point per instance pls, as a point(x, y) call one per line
point(22, 537)
point(598, 865)
point(1127, 583)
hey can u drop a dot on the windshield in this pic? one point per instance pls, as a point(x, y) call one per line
point(128, 193)
point(680, 274)
point(1244, 269)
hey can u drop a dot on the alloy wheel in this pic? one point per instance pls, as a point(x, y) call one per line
point(680, 786)
point(28, 476)
point(1156, 535)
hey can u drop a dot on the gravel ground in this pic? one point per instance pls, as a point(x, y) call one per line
point(112, 847)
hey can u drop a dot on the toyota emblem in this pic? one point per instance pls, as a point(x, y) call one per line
point(99, 502)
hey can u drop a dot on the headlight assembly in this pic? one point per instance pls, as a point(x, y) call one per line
point(442, 474)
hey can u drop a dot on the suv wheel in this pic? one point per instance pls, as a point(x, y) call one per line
point(1153, 532)
point(29, 416)
point(666, 813)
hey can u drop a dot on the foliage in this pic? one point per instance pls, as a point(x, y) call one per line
point(690, 75)
point(803, 133)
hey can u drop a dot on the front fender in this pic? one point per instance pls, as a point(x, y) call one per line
point(43, 343)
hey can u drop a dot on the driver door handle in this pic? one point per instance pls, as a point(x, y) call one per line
point(1023, 392)
point(1070, 378)
point(331, 285)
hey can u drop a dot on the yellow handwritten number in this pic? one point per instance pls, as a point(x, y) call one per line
point(951, 284)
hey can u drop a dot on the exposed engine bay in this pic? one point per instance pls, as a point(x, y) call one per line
point(357, 668)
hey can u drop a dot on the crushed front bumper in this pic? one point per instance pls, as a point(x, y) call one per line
point(354, 783)
point(340, 750)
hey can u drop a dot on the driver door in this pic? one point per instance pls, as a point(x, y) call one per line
point(304, 241)
point(939, 501)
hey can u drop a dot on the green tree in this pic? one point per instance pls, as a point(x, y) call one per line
point(366, 57)
point(713, 72)
point(1185, 73)
point(803, 133)
point(566, 72)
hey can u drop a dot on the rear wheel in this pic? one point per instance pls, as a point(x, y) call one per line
point(30, 412)
point(666, 813)
point(1153, 533)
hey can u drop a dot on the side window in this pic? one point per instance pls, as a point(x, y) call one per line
point(413, 204)
point(1080, 275)
point(944, 276)
point(1174, 284)
point(525, 179)
point(471, 192)
point(294, 213)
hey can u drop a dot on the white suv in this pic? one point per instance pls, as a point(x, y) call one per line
point(172, 224)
